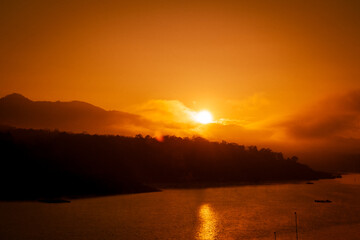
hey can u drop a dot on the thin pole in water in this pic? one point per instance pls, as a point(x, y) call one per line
point(275, 235)
point(296, 227)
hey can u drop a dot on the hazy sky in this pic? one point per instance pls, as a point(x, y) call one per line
point(115, 53)
point(245, 61)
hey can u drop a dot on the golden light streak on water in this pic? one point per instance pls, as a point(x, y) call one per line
point(208, 223)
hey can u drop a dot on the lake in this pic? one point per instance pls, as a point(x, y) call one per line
point(243, 212)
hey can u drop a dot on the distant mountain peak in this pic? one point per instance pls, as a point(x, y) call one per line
point(16, 97)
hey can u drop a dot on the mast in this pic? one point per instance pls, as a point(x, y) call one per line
point(297, 237)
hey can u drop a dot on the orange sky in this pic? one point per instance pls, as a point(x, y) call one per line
point(249, 62)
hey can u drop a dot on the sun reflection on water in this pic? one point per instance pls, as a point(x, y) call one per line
point(208, 223)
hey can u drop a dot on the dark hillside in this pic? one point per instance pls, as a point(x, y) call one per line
point(37, 163)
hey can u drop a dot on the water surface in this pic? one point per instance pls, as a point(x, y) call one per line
point(244, 212)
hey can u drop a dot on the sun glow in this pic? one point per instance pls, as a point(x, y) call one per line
point(203, 117)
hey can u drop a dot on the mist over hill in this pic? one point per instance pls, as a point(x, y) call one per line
point(42, 163)
point(328, 152)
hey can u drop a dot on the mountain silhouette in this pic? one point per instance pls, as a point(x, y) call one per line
point(75, 116)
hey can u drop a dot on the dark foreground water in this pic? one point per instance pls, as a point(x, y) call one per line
point(245, 212)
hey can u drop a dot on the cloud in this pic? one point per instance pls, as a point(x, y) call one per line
point(168, 117)
point(172, 117)
point(326, 134)
point(171, 111)
point(335, 116)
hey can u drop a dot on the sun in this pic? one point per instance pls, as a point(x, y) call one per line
point(203, 117)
